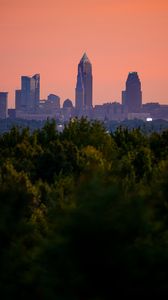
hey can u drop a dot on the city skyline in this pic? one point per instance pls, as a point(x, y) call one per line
point(28, 96)
point(29, 106)
point(49, 37)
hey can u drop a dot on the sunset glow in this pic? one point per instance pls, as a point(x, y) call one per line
point(119, 36)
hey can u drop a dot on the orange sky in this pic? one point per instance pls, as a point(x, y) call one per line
point(50, 36)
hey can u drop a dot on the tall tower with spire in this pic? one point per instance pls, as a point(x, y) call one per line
point(83, 91)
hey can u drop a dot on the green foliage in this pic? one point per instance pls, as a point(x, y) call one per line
point(84, 213)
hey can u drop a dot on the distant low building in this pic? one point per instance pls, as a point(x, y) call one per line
point(160, 113)
point(114, 111)
point(68, 110)
point(139, 116)
point(99, 113)
point(12, 113)
point(54, 101)
point(51, 106)
point(156, 110)
point(33, 116)
point(109, 111)
point(150, 107)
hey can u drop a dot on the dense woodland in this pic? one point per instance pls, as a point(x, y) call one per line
point(83, 213)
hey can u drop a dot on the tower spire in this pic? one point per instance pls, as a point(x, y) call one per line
point(85, 58)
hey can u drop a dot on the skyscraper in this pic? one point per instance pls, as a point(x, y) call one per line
point(18, 99)
point(36, 84)
point(83, 91)
point(3, 105)
point(30, 92)
point(132, 96)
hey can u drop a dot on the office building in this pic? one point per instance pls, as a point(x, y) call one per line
point(3, 105)
point(18, 99)
point(30, 92)
point(132, 96)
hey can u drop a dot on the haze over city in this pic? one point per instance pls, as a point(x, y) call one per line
point(49, 37)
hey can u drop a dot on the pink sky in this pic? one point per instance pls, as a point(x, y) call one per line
point(50, 36)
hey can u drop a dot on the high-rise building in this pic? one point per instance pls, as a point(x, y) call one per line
point(132, 96)
point(30, 92)
point(123, 98)
point(3, 105)
point(18, 99)
point(36, 81)
point(83, 91)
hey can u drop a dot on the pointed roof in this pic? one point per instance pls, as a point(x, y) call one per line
point(85, 58)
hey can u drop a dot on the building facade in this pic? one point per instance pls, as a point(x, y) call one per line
point(18, 100)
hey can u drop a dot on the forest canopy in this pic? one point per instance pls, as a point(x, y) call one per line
point(83, 213)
